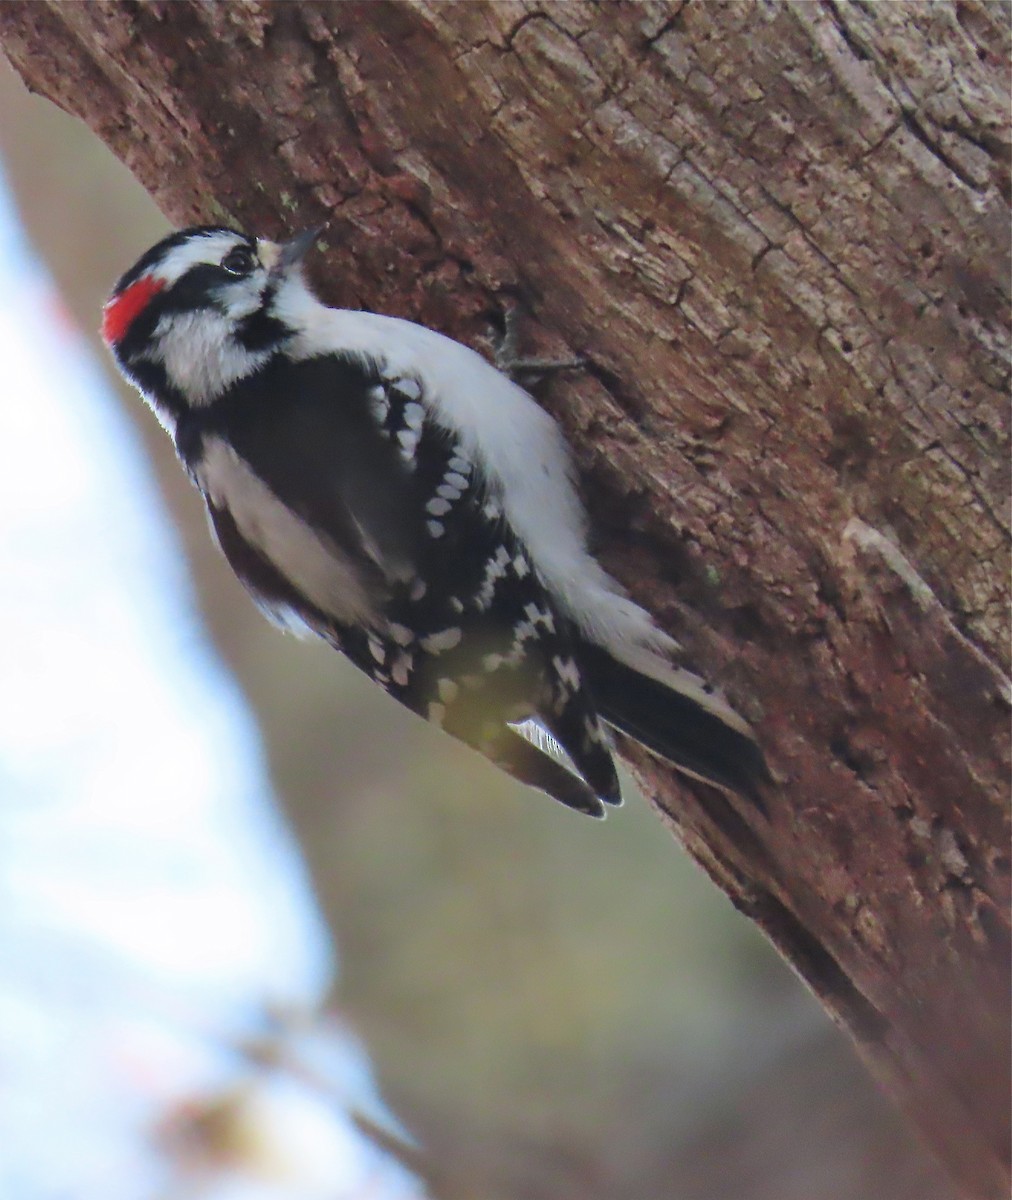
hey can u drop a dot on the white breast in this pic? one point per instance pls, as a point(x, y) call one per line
point(314, 566)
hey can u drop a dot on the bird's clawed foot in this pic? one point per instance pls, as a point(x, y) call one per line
point(526, 372)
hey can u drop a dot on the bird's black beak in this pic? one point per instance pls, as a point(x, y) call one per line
point(295, 249)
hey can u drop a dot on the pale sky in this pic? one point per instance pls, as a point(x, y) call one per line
point(151, 902)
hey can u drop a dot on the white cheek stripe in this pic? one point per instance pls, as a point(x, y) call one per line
point(200, 356)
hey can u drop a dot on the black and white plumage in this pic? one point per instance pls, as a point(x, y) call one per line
point(389, 489)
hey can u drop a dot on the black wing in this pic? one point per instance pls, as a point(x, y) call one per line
point(475, 641)
point(463, 630)
point(306, 430)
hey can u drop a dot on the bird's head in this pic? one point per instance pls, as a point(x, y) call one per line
point(202, 308)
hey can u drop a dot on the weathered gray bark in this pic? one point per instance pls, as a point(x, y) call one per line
point(780, 235)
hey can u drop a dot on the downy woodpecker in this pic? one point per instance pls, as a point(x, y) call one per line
point(391, 491)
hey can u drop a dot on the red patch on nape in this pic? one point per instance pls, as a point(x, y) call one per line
point(122, 310)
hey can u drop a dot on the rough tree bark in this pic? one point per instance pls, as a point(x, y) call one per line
point(779, 233)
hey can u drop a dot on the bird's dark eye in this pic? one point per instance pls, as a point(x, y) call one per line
point(239, 261)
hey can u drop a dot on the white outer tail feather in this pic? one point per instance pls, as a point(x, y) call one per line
point(685, 682)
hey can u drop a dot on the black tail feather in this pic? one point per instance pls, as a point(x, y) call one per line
point(674, 725)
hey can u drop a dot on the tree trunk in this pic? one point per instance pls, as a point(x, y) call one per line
point(779, 234)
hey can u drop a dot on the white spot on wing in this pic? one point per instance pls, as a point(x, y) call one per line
point(410, 388)
point(523, 632)
point(401, 670)
point(568, 672)
point(446, 639)
point(495, 569)
point(379, 403)
point(539, 616)
point(414, 416)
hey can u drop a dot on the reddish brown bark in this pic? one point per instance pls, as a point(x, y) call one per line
point(779, 234)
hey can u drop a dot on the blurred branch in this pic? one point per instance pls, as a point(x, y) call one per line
point(779, 235)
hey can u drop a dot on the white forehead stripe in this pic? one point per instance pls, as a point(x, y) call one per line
point(206, 248)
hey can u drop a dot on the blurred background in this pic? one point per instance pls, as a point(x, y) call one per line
point(201, 818)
